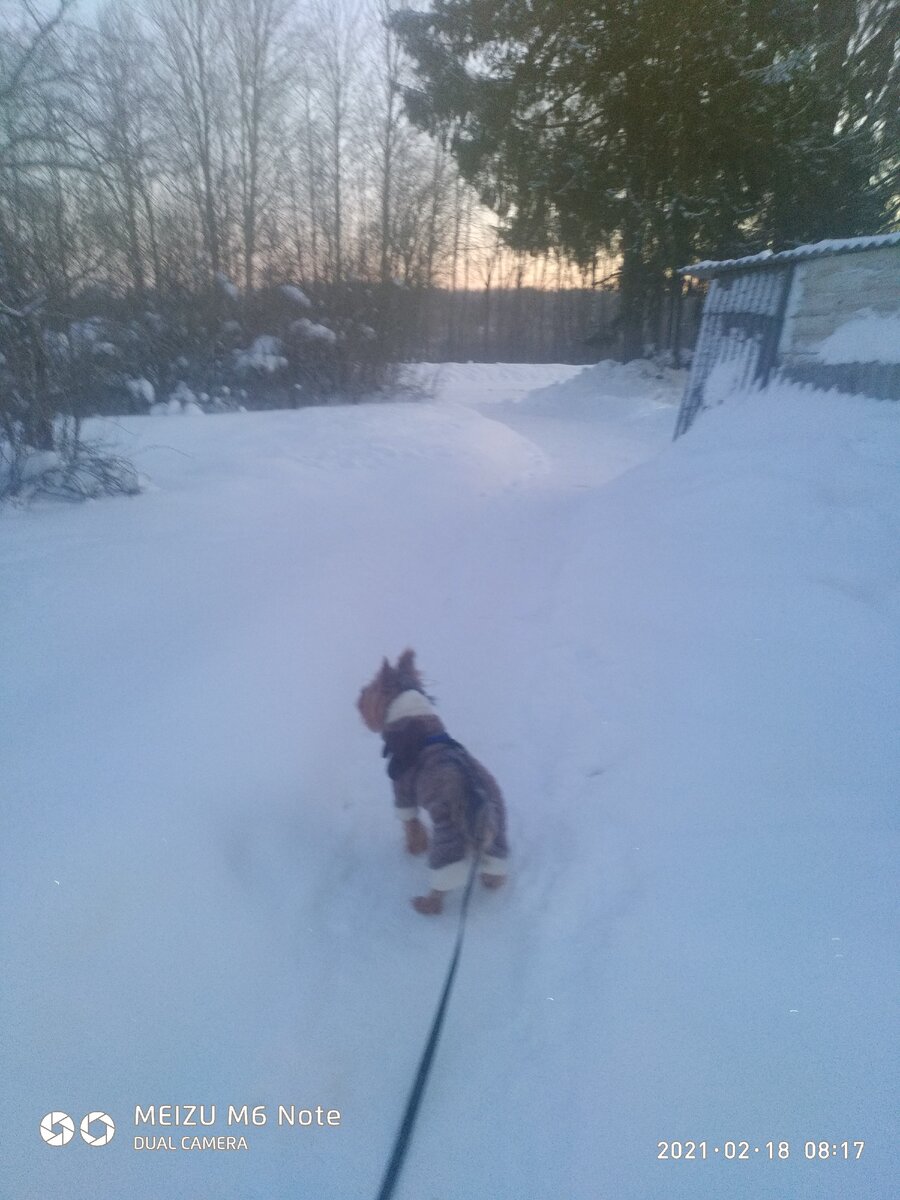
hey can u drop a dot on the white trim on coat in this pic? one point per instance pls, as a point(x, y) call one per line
point(455, 874)
point(408, 704)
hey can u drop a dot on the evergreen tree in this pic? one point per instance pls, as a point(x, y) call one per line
point(660, 129)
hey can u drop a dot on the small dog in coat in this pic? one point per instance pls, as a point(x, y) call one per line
point(429, 770)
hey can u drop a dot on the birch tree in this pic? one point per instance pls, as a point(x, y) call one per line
point(260, 49)
point(338, 57)
point(190, 40)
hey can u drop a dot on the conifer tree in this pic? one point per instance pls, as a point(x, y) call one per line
point(659, 129)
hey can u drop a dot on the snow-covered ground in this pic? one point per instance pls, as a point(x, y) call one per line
point(681, 662)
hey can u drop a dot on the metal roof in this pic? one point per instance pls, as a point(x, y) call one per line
point(710, 269)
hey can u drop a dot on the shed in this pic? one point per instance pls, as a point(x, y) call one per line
point(827, 314)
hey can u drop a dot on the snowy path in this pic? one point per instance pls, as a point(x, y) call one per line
point(204, 894)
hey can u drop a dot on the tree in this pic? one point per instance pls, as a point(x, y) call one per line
point(260, 45)
point(116, 121)
point(338, 57)
point(866, 65)
point(661, 129)
point(192, 92)
point(34, 71)
point(388, 134)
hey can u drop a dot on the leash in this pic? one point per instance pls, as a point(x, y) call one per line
point(404, 1133)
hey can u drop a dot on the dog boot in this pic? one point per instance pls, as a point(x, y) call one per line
point(429, 905)
point(492, 881)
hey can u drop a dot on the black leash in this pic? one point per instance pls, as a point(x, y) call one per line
point(404, 1134)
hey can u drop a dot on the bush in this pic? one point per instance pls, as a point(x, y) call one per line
point(280, 347)
point(46, 379)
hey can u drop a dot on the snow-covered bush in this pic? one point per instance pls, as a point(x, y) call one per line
point(226, 287)
point(141, 390)
point(214, 351)
point(311, 332)
point(296, 295)
point(46, 377)
point(181, 400)
point(78, 470)
point(263, 356)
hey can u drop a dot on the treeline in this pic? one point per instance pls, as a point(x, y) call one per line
point(212, 203)
point(527, 324)
point(178, 140)
point(177, 154)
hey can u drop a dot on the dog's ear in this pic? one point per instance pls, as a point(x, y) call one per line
point(406, 663)
point(407, 673)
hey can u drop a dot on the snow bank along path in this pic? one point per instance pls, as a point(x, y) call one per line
point(680, 661)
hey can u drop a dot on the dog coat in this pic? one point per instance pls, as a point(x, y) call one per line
point(430, 770)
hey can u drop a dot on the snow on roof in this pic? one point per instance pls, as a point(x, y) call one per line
point(708, 269)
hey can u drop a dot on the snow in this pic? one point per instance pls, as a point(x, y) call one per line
point(84, 334)
point(224, 284)
point(867, 337)
point(726, 376)
point(295, 295)
point(263, 356)
point(312, 331)
point(784, 67)
point(182, 402)
point(38, 463)
point(680, 660)
point(710, 267)
point(141, 389)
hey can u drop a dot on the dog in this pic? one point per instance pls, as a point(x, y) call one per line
point(430, 771)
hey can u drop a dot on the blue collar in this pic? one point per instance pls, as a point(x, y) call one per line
point(438, 739)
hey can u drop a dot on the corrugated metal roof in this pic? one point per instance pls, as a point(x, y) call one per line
point(709, 269)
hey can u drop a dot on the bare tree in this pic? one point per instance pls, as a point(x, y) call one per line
point(189, 35)
point(33, 72)
point(309, 144)
point(389, 130)
point(338, 54)
point(260, 45)
point(30, 66)
point(115, 119)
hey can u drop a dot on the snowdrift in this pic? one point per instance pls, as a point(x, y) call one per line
point(680, 660)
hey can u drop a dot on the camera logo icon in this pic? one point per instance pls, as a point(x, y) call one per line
point(107, 1129)
point(57, 1128)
